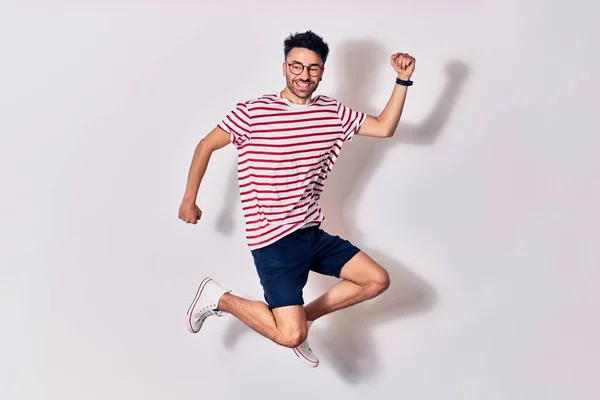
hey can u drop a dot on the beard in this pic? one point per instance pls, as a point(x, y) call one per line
point(301, 92)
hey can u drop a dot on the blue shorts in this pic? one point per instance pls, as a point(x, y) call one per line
point(283, 266)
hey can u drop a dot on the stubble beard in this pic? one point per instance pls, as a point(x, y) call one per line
point(304, 94)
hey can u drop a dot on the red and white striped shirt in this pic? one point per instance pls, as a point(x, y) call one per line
point(285, 153)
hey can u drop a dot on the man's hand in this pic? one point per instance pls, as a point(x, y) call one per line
point(189, 212)
point(216, 139)
point(385, 124)
point(404, 65)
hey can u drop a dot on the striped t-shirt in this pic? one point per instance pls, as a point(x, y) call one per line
point(285, 153)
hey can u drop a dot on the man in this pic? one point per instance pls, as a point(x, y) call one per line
point(287, 143)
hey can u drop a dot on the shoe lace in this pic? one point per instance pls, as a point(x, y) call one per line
point(305, 347)
point(204, 313)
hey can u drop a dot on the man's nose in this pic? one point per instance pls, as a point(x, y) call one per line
point(305, 74)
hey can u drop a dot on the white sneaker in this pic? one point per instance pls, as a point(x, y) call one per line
point(205, 304)
point(305, 353)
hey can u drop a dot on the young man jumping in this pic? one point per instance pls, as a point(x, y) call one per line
point(287, 144)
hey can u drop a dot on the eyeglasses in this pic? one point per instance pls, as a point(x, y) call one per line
point(313, 70)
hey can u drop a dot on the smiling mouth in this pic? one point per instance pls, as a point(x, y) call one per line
point(303, 85)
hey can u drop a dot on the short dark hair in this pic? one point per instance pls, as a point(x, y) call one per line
point(307, 40)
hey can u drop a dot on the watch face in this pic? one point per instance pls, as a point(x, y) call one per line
point(403, 82)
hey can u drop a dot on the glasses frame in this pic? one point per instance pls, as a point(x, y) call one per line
point(289, 64)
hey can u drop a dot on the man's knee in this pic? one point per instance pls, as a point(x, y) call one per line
point(364, 271)
point(293, 337)
point(291, 325)
point(379, 283)
point(296, 338)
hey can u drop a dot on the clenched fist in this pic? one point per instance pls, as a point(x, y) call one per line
point(189, 212)
point(404, 65)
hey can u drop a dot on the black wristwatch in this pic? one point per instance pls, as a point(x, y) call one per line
point(403, 82)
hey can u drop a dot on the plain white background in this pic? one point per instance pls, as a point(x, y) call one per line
point(484, 206)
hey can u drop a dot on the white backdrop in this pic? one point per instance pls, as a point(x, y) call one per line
point(484, 206)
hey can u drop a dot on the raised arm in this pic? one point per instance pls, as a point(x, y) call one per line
point(214, 140)
point(384, 125)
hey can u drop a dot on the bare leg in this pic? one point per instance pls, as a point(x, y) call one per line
point(285, 326)
point(361, 279)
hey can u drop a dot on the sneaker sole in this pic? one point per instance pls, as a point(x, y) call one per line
point(305, 360)
point(194, 302)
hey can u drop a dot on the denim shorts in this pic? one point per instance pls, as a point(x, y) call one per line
point(284, 265)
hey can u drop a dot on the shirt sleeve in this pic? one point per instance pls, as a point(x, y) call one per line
point(237, 124)
point(351, 120)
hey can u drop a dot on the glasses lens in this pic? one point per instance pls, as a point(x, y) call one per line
point(296, 68)
point(314, 71)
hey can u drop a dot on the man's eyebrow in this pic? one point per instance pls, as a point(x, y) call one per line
point(310, 65)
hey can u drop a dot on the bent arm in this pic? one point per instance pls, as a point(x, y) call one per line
point(214, 140)
point(384, 125)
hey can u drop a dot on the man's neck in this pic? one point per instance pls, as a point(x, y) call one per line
point(286, 94)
